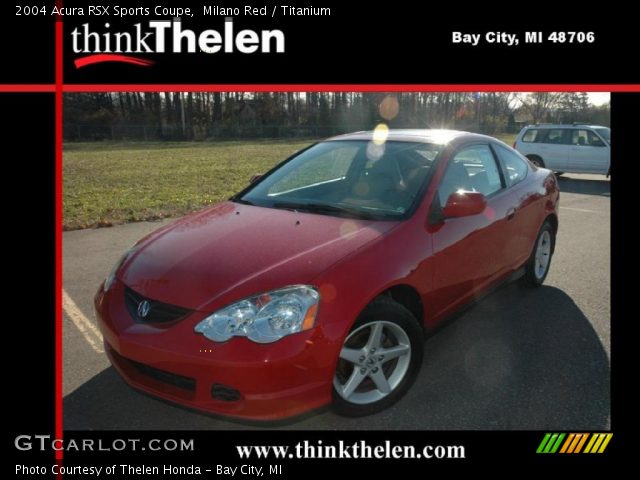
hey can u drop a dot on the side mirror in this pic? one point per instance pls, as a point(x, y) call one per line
point(464, 204)
point(255, 178)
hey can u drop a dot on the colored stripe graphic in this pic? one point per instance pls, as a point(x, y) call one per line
point(574, 442)
point(543, 443)
point(581, 443)
point(550, 443)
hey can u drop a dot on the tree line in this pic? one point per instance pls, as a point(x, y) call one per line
point(220, 115)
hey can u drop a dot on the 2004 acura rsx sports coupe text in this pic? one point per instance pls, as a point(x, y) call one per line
point(317, 283)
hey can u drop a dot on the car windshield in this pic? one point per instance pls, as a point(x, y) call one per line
point(604, 133)
point(349, 178)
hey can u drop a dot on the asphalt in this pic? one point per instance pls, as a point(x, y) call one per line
point(520, 359)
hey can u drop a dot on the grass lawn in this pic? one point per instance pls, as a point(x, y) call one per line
point(507, 138)
point(110, 183)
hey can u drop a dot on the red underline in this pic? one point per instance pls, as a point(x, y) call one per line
point(103, 57)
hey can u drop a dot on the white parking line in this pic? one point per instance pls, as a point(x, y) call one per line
point(580, 210)
point(88, 330)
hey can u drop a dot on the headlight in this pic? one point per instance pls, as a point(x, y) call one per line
point(264, 318)
point(112, 274)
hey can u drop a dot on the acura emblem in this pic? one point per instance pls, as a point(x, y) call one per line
point(143, 309)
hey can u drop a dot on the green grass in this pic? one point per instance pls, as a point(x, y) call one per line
point(507, 138)
point(111, 183)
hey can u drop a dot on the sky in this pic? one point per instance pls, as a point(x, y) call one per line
point(598, 98)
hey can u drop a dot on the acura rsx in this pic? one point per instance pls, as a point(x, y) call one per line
point(317, 283)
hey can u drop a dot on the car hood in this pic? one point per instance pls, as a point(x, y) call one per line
point(231, 251)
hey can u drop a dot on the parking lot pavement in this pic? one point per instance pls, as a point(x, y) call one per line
point(520, 359)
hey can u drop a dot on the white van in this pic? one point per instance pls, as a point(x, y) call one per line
point(567, 148)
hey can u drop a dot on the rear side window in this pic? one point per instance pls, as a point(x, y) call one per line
point(531, 136)
point(472, 169)
point(558, 136)
point(515, 167)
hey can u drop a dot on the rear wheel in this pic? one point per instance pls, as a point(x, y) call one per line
point(537, 266)
point(379, 360)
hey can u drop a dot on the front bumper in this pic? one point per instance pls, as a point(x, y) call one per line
point(272, 381)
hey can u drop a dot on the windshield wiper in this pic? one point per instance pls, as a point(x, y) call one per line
point(325, 208)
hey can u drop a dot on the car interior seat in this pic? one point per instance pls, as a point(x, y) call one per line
point(480, 183)
point(455, 178)
point(374, 181)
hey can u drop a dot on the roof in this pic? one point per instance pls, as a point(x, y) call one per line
point(438, 136)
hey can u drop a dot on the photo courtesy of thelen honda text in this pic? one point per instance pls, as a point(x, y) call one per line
point(318, 282)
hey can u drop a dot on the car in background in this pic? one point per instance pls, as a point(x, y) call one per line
point(317, 283)
point(567, 148)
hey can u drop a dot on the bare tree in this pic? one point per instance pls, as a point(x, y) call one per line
point(539, 104)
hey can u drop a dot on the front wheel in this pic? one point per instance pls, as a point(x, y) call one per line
point(537, 266)
point(379, 360)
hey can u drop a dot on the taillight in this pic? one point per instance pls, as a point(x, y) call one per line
point(514, 144)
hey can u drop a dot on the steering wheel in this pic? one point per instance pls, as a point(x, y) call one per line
point(394, 192)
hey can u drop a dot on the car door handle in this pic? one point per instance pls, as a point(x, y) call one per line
point(511, 213)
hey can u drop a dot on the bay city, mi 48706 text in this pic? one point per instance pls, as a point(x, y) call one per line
point(511, 39)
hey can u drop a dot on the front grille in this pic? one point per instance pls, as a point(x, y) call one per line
point(157, 312)
point(179, 381)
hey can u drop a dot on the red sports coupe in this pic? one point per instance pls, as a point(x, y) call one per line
point(317, 283)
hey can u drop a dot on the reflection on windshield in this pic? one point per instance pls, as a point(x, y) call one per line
point(350, 178)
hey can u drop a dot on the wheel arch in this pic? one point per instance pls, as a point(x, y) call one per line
point(408, 297)
point(532, 156)
point(552, 218)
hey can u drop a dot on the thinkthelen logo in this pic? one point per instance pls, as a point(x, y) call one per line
point(167, 36)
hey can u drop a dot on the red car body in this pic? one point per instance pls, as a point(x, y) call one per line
point(231, 251)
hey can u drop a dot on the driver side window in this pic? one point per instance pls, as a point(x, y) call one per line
point(472, 169)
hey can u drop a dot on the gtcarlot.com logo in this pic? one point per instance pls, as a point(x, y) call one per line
point(574, 443)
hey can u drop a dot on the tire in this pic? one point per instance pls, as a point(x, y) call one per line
point(537, 267)
point(536, 160)
point(368, 379)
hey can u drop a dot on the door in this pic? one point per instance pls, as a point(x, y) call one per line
point(523, 221)
point(468, 251)
point(554, 149)
point(588, 153)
